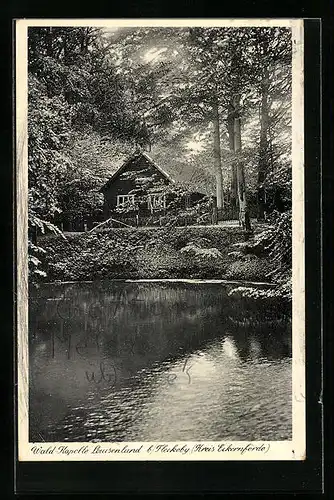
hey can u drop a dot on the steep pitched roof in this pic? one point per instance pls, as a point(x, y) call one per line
point(128, 161)
point(161, 170)
point(186, 177)
point(200, 182)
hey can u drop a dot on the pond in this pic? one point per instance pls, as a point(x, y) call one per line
point(120, 361)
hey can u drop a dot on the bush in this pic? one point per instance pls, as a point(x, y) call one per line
point(191, 252)
point(161, 262)
point(261, 305)
point(254, 269)
point(275, 244)
point(90, 257)
point(214, 236)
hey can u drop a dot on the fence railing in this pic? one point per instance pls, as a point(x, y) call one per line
point(73, 222)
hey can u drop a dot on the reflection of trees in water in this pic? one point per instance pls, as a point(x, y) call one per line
point(138, 323)
point(145, 299)
point(256, 343)
point(138, 329)
point(250, 311)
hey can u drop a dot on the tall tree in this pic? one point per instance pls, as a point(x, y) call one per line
point(272, 73)
point(217, 154)
point(178, 84)
point(72, 87)
point(235, 91)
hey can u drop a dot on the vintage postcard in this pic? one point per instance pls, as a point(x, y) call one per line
point(160, 239)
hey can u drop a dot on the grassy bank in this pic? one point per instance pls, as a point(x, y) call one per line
point(182, 252)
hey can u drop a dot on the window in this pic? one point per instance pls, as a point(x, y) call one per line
point(156, 201)
point(125, 200)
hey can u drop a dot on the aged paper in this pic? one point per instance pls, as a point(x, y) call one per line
point(43, 371)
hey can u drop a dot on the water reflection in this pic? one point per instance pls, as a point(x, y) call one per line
point(151, 361)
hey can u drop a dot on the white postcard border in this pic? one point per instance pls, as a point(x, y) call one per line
point(222, 450)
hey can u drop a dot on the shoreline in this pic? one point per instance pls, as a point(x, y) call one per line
point(169, 280)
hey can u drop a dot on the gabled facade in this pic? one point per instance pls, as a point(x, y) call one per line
point(139, 188)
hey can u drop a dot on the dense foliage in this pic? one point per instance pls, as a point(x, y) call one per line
point(192, 252)
point(274, 245)
point(215, 102)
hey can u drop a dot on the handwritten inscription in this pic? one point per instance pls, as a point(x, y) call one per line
point(67, 308)
point(173, 377)
point(104, 370)
point(102, 375)
point(96, 318)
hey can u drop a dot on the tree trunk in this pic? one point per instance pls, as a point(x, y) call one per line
point(244, 218)
point(84, 41)
point(264, 149)
point(217, 157)
point(230, 130)
point(49, 48)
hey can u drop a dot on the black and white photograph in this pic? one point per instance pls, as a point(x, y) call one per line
point(160, 243)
